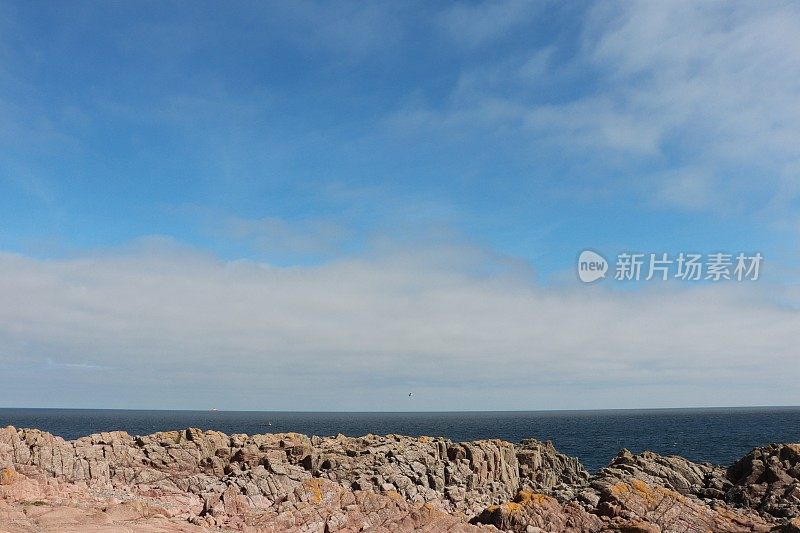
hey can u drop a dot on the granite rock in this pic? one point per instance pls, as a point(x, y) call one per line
point(194, 480)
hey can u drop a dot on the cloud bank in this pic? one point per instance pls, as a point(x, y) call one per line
point(165, 326)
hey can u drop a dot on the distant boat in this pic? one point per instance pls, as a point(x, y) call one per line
point(214, 409)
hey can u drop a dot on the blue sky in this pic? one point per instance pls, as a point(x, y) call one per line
point(425, 155)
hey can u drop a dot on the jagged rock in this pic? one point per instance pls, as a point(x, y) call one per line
point(670, 511)
point(672, 472)
point(543, 469)
point(195, 480)
point(532, 511)
point(29, 505)
point(228, 475)
point(792, 526)
point(667, 492)
point(768, 480)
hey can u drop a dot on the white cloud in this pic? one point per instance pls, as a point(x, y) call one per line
point(720, 73)
point(165, 326)
point(671, 84)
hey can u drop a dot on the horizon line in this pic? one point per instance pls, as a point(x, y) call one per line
point(216, 410)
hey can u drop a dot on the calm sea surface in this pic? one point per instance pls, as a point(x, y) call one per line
point(714, 435)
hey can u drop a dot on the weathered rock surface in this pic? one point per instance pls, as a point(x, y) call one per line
point(668, 511)
point(536, 512)
point(29, 504)
point(768, 479)
point(543, 469)
point(195, 480)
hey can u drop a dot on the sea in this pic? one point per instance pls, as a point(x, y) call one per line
point(718, 435)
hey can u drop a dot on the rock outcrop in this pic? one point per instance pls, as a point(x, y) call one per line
point(195, 480)
point(767, 479)
point(537, 512)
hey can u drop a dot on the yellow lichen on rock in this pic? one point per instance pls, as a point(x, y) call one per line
point(526, 497)
point(314, 487)
point(618, 489)
point(7, 476)
point(511, 507)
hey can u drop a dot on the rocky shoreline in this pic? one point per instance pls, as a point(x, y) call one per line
point(200, 481)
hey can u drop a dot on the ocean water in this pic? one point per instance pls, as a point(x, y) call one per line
point(718, 436)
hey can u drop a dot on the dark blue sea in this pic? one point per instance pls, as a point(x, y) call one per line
point(718, 436)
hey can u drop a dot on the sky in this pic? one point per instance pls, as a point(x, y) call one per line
point(327, 205)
